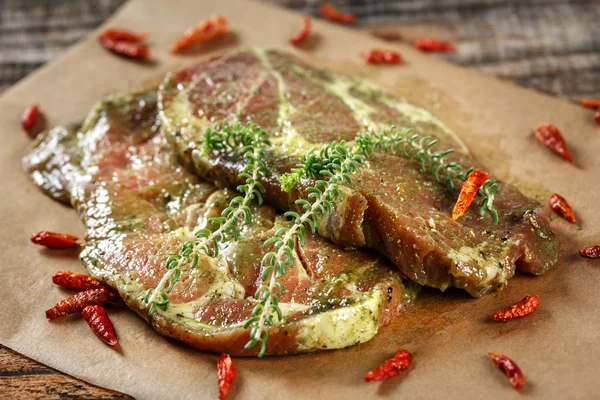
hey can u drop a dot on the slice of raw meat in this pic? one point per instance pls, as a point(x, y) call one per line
point(139, 205)
point(52, 159)
point(392, 206)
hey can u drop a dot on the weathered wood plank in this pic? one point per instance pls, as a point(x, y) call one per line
point(566, 74)
point(550, 45)
point(23, 378)
point(14, 364)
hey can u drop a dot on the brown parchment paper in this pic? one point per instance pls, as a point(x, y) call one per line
point(448, 334)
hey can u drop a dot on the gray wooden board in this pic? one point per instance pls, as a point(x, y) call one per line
point(23, 378)
point(550, 45)
point(449, 335)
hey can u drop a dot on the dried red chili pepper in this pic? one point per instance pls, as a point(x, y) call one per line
point(590, 103)
point(590, 252)
point(30, 117)
point(468, 191)
point(125, 43)
point(551, 137)
point(225, 374)
point(123, 35)
point(391, 367)
point(559, 205)
point(78, 302)
point(597, 116)
point(378, 56)
point(303, 32)
point(54, 240)
point(134, 50)
point(529, 304)
point(332, 14)
point(73, 280)
point(209, 29)
point(511, 369)
point(97, 319)
point(429, 44)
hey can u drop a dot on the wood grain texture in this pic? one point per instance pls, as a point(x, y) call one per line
point(33, 32)
point(550, 45)
point(23, 378)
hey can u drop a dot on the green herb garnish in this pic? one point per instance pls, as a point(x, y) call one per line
point(249, 141)
point(420, 148)
point(333, 162)
point(324, 171)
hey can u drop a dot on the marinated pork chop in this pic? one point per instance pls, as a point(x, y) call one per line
point(392, 206)
point(139, 205)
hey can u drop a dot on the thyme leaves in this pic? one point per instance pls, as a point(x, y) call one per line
point(327, 169)
point(411, 145)
point(250, 141)
point(335, 163)
point(421, 149)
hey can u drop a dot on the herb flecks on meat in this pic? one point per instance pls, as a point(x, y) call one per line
point(140, 205)
point(336, 164)
point(391, 206)
point(420, 148)
point(249, 141)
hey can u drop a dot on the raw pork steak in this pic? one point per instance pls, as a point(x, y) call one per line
point(392, 206)
point(139, 205)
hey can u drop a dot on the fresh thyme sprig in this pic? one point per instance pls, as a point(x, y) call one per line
point(420, 148)
point(414, 147)
point(333, 162)
point(488, 192)
point(330, 167)
point(249, 141)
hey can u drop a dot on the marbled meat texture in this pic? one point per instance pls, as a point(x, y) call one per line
point(139, 205)
point(392, 206)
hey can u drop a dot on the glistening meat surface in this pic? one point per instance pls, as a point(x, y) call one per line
point(139, 205)
point(392, 207)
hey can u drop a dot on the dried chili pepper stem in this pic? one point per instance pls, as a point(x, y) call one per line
point(30, 117)
point(303, 33)
point(78, 302)
point(391, 367)
point(469, 189)
point(54, 240)
point(225, 374)
point(510, 368)
point(559, 205)
point(590, 252)
point(332, 14)
point(98, 320)
point(529, 304)
point(209, 29)
point(73, 280)
point(552, 138)
point(378, 56)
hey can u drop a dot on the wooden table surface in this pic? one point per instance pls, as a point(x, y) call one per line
point(23, 378)
point(552, 46)
point(549, 45)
